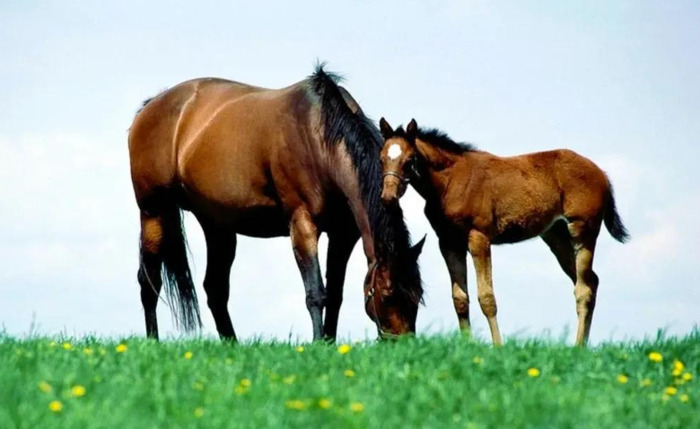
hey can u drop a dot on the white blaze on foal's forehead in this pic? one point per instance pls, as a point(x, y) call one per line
point(394, 151)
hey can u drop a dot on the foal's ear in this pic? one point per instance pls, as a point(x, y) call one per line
point(417, 248)
point(412, 129)
point(385, 128)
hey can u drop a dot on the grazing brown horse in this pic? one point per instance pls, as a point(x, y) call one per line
point(475, 199)
point(295, 161)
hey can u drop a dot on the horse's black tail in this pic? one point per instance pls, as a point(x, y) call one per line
point(612, 220)
point(179, 286)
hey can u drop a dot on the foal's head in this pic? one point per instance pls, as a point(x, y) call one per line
point(399, 162)
point(392, 308)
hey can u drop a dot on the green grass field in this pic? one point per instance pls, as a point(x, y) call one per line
point(431, 382)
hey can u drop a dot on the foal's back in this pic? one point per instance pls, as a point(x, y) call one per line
point(518, 197)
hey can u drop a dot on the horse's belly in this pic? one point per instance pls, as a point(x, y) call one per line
point(242, 209)
point(261, 222)
point(523, 227)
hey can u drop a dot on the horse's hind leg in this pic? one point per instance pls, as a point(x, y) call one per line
point(149, 275)
point(480, 248)
point(221, 251)
point(583, 236)
point(340, 247)
point(304, 235)
point(558, 239)
point(455, 254)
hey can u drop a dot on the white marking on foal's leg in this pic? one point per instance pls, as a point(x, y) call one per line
point(394, 151)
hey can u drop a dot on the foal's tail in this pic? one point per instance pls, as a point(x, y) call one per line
point(179, 286)
point(613, 222)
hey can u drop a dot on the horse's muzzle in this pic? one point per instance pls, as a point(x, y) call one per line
point(391, 190)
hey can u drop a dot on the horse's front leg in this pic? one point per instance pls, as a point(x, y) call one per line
point(480, 248)
point(340, 245)
point(454, 251)
point(304, 235)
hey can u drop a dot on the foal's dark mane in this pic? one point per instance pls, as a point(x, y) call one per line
point(438, 138)
point(364, 142)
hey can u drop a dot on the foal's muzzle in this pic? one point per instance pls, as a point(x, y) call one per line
point(393, 187)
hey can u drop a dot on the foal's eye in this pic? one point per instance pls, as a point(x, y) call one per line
point(410, 163)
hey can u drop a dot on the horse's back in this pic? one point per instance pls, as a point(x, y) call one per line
point(517, 197)
point(173, 133)
point(563, 180)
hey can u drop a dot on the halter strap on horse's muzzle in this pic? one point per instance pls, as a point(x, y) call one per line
point(403, 179)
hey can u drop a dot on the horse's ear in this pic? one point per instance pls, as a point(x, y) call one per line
point(385, 128)
point(417, 248)
point(412, 129)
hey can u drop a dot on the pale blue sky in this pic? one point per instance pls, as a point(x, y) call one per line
point(618, 82)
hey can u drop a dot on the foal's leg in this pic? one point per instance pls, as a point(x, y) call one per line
point(480, 248)
point(339, 249)
point(221, 250)
point(558, 239)
point(584, 236)
point(149, 275)
point(455, 255)
point(304, 235)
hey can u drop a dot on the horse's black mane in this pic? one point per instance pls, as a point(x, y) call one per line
point(438, 138)
point(364, 142)
point(144, 103)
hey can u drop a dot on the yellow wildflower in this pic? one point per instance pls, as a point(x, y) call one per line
point(344, 349)
point(289, 379)
point(66, 346)
point(655, 357)
point(240, 390)
point(687, 376)
point(676, 372)
point(324, 403)
point(684, 398)
point(198, 412)
point(357, 407)
point(478, 360)
point(87, 351)
point(121, 348)
point(44, 387)
point(670, 391)
point(300, 349)
point(55, 406)
point(533, 372)
point(678, 365)
point(645, 382)
point(245, 382)
point(78, 391)
point(622, 379)
point(188, 355)
point(349, 373)
point(295, 405)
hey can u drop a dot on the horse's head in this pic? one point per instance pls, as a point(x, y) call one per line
point(399, 162)
point(392, 307)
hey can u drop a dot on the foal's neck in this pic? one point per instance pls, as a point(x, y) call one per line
point(436, 165)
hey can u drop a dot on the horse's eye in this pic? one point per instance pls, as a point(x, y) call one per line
point(411, 164)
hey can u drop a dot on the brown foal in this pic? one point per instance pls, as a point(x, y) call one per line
point(475, 199)
point(295, 161)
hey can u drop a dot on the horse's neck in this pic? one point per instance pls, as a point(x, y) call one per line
point(437, 165)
